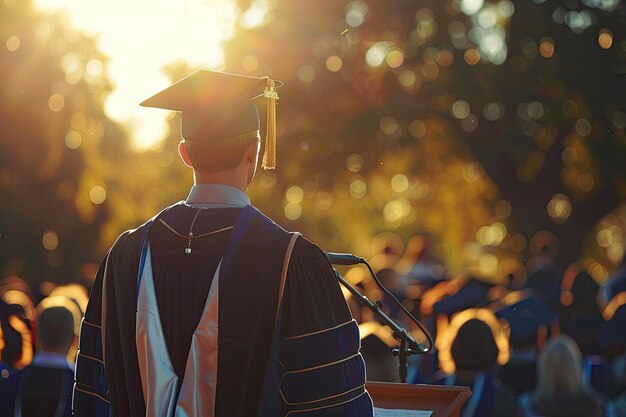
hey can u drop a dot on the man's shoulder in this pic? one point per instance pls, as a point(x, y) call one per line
point(304, 246)
point(128, 238)
point(133, 237)
point(129, 242)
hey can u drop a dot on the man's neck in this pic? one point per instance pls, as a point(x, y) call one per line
point(230, 178)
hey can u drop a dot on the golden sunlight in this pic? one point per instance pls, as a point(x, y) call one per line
point(141, 38)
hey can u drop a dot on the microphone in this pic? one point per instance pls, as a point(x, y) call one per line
point(343, 258)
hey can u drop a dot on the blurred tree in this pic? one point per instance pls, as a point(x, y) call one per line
point(58, 150)
point(478, 123)
point(494, 114)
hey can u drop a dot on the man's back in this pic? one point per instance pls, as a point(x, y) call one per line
point(211, 308)
point(248, 304)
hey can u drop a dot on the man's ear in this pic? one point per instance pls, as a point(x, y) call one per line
point(252, 153)
point(182, 151)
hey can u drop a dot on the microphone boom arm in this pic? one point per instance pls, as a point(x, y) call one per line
point(399, 333)
point(408, 344)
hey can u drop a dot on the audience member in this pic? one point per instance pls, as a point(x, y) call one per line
point(544, 275)
point(581, 317)
point(529, 322)
point(475, 352)
point(561, 390)
point(44, 388)
point(16, 339)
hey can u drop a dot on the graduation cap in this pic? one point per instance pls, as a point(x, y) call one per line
point(218, 106)
point(472, 293)
point(525, 315)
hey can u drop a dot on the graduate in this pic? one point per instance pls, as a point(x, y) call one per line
point(210, 308)
point(44, 388)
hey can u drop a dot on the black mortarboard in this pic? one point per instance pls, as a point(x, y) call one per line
point(472, 294)
point(525, 314)
point(219, 105)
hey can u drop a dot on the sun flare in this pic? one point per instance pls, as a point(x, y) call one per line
point(142, 37)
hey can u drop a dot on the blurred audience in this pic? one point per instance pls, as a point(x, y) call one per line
point(16, 339)
point(528, 339)
point(475, 352)
point(418, 265)
point(44, 388)
point(581, 315)
point(529, 321)
point(544, 275)
point(561, 390)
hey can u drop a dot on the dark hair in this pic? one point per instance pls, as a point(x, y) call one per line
point(56, 328)
point(474, 347)
point(220, 155)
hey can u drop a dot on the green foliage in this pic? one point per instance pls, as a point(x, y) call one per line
point(385, 86)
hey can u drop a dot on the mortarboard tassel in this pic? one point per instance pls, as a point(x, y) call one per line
point(269, 157)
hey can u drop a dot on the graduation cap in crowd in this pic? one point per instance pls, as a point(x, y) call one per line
point(472, 294)
point(218, 106)
point(526, 315)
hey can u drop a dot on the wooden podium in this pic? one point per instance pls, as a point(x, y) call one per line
point(442, 400)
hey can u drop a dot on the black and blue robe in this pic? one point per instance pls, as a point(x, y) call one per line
point(303, 361)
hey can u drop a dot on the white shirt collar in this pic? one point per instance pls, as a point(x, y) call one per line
point(216, 196)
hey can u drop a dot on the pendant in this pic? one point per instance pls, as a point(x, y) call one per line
point(188, 249)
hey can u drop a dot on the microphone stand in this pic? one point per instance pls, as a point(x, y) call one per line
point(408, 345)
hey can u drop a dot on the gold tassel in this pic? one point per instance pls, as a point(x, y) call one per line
point(269, 157)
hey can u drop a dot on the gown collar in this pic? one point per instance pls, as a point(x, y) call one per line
point(216, 196)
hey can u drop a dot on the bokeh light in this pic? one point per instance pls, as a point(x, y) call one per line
point(493, 111)
point(356, 11)
point(583, 127)
point(399, 183)
point(546, 47)
point(471, 6)
point(470, 123)
point(472, 56)
point(460, 109)
point(306, 74)
point(73, 139)
point(417, 129)
point(13, 43)
point(605, 39)
point(395, 58)
point(358, 187)
point(377, 54)
point(97, 194)
point(354, 162)
point(334, 63)
point(294, 194)
point(50, 240)
point(255, 15)
point(56, 102)
point(408, 79)
point(293, 211)
point(559, 208)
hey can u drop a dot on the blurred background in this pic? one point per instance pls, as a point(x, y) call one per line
point(454, 143)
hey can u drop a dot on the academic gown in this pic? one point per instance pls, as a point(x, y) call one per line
point(297, 354)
